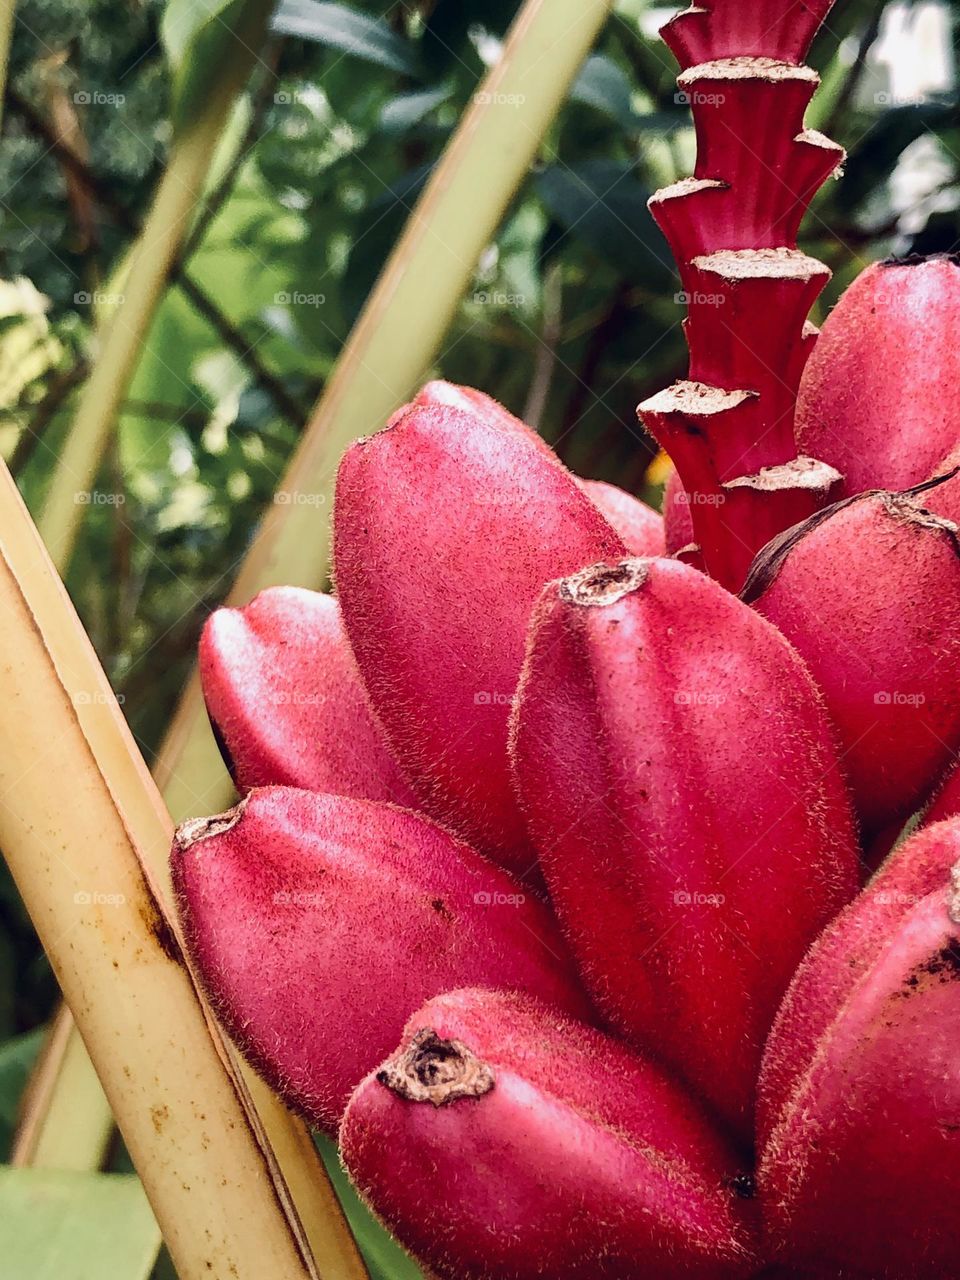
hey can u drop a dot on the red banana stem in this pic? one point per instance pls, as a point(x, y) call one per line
point(733, 225)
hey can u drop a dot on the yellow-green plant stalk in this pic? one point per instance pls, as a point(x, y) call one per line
point(399, 332)
point(142, 284)
point(7, 8)
point(80, 824)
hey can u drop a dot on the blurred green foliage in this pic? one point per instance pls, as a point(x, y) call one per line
point(571, 319)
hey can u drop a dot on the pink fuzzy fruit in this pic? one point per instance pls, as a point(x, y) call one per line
point(286, 702)
point(639, 526)
point(506, 1142)
point(318, 923)
point(860, 1092)
point(676, 763)
point(868, 591)
point(678, 526)
point(880, 395)
point(446, 527)
point(946, 799)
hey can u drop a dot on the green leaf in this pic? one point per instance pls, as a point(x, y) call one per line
point(406, 110)
point(605, 85)
point(385, 1259)
point(602, 204)
point(17, 1057)
point(354, 33)
point(74, 1226)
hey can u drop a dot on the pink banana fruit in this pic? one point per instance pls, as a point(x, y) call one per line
point(678, 526)
point(676, 764)
point(639, 526)
point(317, 923)
point(860, 1092)
point(503, 1141)
point(879, 397)
point(286, 702)
point(446, 527)
point(946, 799)
point(868, 592)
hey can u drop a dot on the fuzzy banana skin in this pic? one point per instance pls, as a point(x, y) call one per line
point(639, 526)
point(869, 594)
point(446, 527)
point(860, 1115)
point(540, 1148)
point(879, 397)
point(676, 763)
point(318, 923)
point(286, 701)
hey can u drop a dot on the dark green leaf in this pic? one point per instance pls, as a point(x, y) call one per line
point(874, 152)
point(350, 31)
point(604, 85)
point(603, 205)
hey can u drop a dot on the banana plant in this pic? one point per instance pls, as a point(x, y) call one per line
point(565, 890)
point(544, 750)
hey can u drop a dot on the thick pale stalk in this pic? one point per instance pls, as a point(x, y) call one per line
point(145, 279)
point(387, 354)
point(79, 861)
point(92, 837)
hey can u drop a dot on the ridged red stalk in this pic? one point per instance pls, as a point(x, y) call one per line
point(733, 225)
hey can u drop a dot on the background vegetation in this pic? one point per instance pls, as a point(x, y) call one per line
point(571, 318)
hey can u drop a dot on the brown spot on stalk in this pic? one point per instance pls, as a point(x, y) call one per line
point(602, 584)
point(159, 926)
point(196, 829)
point(437, 1071)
